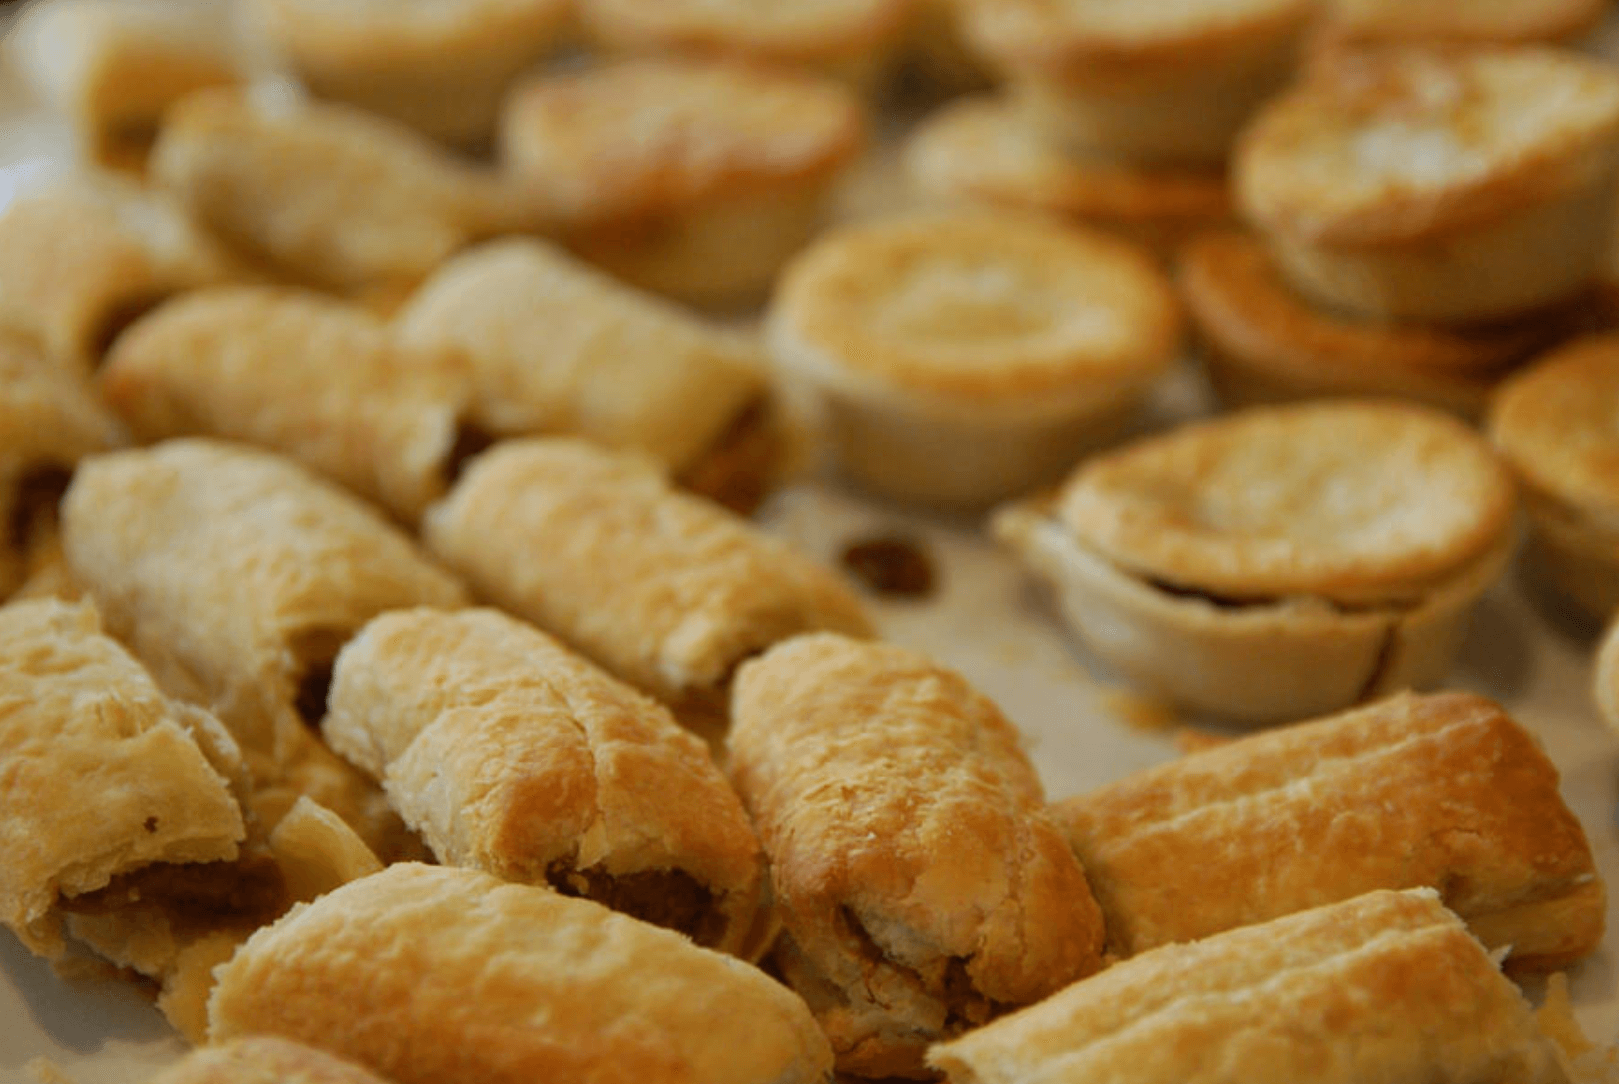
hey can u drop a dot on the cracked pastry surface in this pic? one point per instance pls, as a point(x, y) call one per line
point(514, 755)
point(1388, 986)
point(618, 1000)
point(922, 887)
point(264, 1059)
point(1443, 791)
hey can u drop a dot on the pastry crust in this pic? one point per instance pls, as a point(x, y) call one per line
point(1476, 21)
point(237, 576)
point(1437, 184)
point(439, 68)
point(923, 889)
point(574, 992)
point(264, 1059)
point(983, 150)
point(1265, 344)
point(314, 378)
point(556, 347)
point(325, 193)
point(511, 754)
point(923, 337)
point(111, 67)
point(1442, 791)
point(1388, 986)
point(82, 258)
point(103, 775)
point(693, 589)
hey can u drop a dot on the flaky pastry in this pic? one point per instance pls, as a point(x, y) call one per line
point(959, 358)
point(263, 1059)
point(523, 984)
point(316, 379)
point(1442, 791)
point(512, 754)
point(1388, 986)
point(693, 179)
point(1437, 184)
point(922, 887)
point(1557, 423)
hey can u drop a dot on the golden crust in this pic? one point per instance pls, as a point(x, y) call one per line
point(513, 755)
point(1442, 791)
point(983, 150)
point(1356, 502)
point(574, 992)
point(922, 887)
point(1401, 144)
point(1557, 425)
point(1352, 21)
point(308, 376)
point(236, 575)
point(103, 775)
point(793, 31)
point(264, 1059)
point(644, 138)
point(989, 309)
point(692, 589)
point(1388, 986)
point(557, 347)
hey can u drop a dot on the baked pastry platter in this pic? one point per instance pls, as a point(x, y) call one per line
point(1147, 623)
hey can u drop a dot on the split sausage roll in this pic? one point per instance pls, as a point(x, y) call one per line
point(237, 576)
point(923, 889)
point(511, 754)
point(558, 347)
point(264, 1059)
point(111, 67)
point(668, 591)
point(437, 975)
point(1441, 791)
point(1388, 986)
point(319, 380)
point(324, 193)
point(49, 420)
point(81, 259)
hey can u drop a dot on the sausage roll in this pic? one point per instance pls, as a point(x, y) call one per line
point(264, 1059)
point(316, 379)
point(527, 985)
point(1442, 791)
point(557, 347)
point(511, 754)
point(922, 886)
point(1387, 987)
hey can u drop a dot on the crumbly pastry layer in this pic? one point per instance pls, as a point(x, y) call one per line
point(1443, 791)
point(83, 257)
point(1388, 986)
point(923, 889)
point(557, 347)
point(441, 68)
point(689, 590)
point(314, 378)
point(1476, 21)
point(573, 992)
point(237, 576)
point(1356, 502)
point(512, 754)
point(264, 1059)
point(325, 193)
point(103, 773)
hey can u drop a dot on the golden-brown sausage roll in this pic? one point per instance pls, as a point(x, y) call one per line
point(557, 347)
point(922, 886)
point(81, 259)
point(324, 193)
point(237, 576)
point(511, 754)
point(522, 985)
point(102, 773)
point(668, 591)
point(319, 380)
point(1387, 987)
point(264, 1059)
point(1441, 791)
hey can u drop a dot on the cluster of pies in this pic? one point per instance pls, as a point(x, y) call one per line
point(391, 678)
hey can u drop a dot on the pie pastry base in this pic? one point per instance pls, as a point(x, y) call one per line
point(1573, 557)
point(1266, 662)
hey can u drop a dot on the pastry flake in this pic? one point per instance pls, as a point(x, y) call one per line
point(922, 887)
